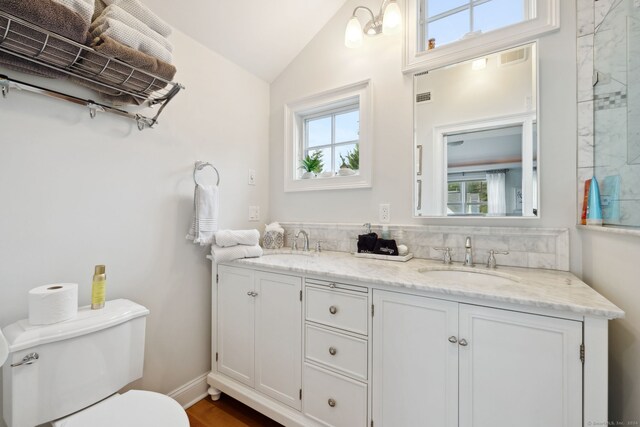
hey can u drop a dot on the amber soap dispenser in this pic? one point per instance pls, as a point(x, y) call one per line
point(98, 288)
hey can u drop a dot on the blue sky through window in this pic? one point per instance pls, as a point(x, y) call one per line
point(487, 16)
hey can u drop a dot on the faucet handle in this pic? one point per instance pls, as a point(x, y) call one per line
point(446, 256)
point(491, 262)
point(368, 226)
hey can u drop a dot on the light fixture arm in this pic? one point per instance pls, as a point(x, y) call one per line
point(373, 17)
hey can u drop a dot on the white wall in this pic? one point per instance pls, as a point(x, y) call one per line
point(76, 192)
point(610, 265)
point(326, 63)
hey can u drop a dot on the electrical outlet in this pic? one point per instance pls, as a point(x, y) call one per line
point(385, 213)
point(252, 177)
point(254, 213)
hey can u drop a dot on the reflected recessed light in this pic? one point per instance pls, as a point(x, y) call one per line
point(479, 64)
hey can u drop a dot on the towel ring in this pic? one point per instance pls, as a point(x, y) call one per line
point(201, 165)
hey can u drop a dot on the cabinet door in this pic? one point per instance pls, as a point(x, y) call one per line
point(236, 324)
point(519, 369)
point(415, 366)
point(279, 337)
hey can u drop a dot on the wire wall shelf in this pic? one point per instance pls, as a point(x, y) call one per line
point(63, 57)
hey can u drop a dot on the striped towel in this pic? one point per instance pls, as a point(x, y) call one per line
point(84, 8)
point(119, 14)
point(235, 252)
point(226, 238)
point(143, 13)
point(205, 214)
point(131, 37)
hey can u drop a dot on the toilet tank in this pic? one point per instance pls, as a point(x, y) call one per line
point(80, 362)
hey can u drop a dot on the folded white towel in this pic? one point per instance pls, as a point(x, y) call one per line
point(226, 238)
point(143, 13)
point(132, 38)
point(84, 8)
point(205, 214)
point(119, 14)
point(274, 226)
point(235, 252)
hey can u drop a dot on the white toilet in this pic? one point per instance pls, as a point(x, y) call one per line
point(67, 373)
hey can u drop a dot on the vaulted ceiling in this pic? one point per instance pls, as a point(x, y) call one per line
point(262, 36)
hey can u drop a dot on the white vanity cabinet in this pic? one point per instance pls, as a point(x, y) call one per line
point(444, 363)
point(259, 331)
point(335, 382)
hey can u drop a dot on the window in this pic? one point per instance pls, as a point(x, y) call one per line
point(330, 127)
point(467, 197)
point(464, 29)
point(335, 134)
point(447, 21)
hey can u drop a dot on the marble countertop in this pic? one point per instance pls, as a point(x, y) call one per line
point(550, 289)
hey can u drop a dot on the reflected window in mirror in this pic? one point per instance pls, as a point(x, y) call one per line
point(476, 137)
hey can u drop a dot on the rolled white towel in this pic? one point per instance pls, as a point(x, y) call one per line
point(132, 38)
point(143, 13)
point(231, 253)
point(119, 14)
point(226, 238)
point(84, 8)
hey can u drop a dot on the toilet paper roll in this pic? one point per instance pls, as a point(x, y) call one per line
point(53, 303)
point(4, 349)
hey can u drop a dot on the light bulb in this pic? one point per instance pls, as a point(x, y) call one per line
point(353, 34)
point(391, 19)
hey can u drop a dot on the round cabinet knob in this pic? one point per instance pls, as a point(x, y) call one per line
point(333, 351)
point(453, 339)
point(333, 309)
point(332, 285)
point(332, 403)
point(463, 342)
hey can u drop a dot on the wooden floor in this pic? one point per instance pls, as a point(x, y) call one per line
point(226, 412)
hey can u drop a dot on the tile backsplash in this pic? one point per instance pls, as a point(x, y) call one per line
point(528, 247)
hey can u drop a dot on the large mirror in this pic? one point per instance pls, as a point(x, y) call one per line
point(476, 138)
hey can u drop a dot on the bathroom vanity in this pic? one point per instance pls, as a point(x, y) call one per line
point(334, 340)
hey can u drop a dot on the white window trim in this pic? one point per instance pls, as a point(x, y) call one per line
point(413, 60)
point(294, 113)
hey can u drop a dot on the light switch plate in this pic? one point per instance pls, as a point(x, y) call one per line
point(252, 177)
point(254, 213)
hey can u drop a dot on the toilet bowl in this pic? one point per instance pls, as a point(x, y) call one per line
point(134, 408)
point(68, 374)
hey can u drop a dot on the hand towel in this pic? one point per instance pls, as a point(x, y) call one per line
point(50, 16)
point(205, 214)
point(226, 238)
point(117, 73)
point(235, 252)
point(132, 38)
point(143, 13)
point(119, 14)
point(84, 8)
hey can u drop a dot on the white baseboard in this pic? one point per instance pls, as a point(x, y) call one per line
point(192, 392)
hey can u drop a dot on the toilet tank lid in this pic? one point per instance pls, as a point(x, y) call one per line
point(22, 335)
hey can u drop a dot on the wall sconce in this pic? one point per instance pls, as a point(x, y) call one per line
point(386, 22)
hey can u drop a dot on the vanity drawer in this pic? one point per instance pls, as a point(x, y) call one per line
point(337, 308)
point(337, 351)
point(334, 400)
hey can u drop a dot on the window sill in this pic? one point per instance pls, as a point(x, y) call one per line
point(327, 183)
point(611, 229)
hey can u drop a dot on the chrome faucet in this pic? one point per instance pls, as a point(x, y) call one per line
point(305, 246)
point(468, 255)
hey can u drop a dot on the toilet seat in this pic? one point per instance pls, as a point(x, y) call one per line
point(134, 408)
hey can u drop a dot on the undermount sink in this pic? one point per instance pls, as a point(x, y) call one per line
point(461, 275)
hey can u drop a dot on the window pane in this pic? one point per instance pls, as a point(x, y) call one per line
point(497, 14)
point(344, 150)
point(325, 159)
point(449, 29)
point(347, 126)
point(319, 132)
point(476, 191)
point(436, 7)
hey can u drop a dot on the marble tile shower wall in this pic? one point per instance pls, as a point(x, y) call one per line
point(528, 247)
point(604, 132)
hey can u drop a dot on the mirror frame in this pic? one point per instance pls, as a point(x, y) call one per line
point(418, 166)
